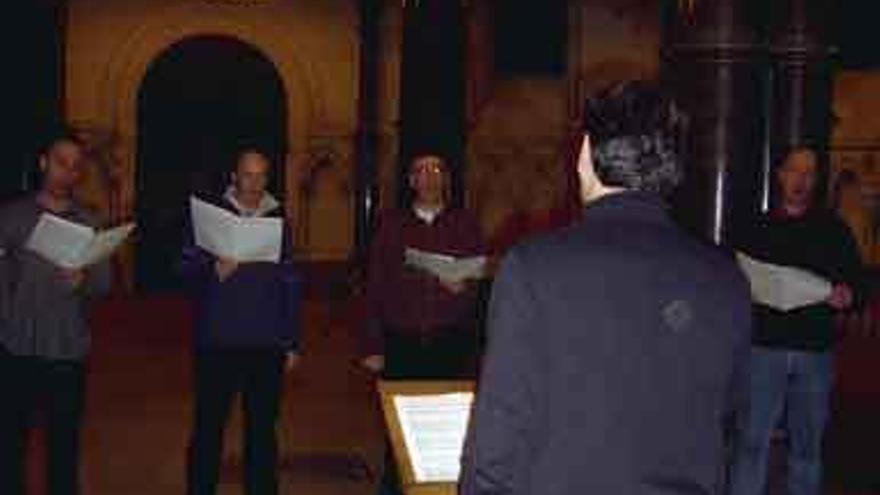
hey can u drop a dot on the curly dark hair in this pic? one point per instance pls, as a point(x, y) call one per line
point(634, 129)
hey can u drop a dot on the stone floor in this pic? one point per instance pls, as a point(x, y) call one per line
point(139, 408)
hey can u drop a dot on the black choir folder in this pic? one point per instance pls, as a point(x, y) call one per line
point(427, 422)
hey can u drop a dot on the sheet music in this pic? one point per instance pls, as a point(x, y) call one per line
point(783, 287)
point(434, 428)
point(212, 228)
point(105, 243)
point(58, 240)
point(446, 267)
point(243, 239)
point(71, 245)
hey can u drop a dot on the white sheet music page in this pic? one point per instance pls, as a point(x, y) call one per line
point(434, 428)
point(783, 287)
point(105, 243)
point(258, 239)
point(60, 241)
point(227, 235)
point(71, 245)
point(213, 228)
point(446, 267)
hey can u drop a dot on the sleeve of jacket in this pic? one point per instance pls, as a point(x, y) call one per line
point(508, 409)
point(292, 288)
point(196, 265)
point(372, 339)
point(99, 277)
point(473, 235)
point(849, 264)
point(741, 318)
point(6, 247)
point(477, 246)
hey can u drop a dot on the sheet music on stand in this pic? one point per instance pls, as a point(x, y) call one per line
point(427, 421)
point(434, 429)
point(783, 287)
point(72, 245)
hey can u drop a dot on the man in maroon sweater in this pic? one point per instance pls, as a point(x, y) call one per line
point(420, 326)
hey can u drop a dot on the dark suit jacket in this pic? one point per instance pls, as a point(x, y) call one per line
point(611, 360)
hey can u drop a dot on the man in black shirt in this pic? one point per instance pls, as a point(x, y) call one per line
point(612, 344)
point(791, 363)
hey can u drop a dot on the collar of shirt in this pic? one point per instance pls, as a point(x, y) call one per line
point(427, 215)
point(68, 209)
point(629, 205)
point(267, 204)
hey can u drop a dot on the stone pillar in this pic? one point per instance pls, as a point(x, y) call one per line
point(366, 186)
point(713, 61)
point(432, 107)
point(801, 79)
point(35, 76)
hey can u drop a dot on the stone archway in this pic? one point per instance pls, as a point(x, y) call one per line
point(201, 100)
point(126, 69)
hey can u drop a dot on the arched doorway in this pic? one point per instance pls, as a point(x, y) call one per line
point(200, 100)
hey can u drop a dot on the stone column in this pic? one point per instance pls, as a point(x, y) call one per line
point(801, 78)
point(714, 62)
point(35, 76)
point(366, 186)
point(432, 108)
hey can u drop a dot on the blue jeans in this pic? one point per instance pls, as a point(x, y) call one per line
point(780, 380)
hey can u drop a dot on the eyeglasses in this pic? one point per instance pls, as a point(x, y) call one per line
point(428, 167)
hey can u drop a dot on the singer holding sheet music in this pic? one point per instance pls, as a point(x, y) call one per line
point(791, 368)
point(44, 335)
point(421, 325)
point(246, 337)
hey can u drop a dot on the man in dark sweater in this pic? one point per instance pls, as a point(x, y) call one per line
point(246, 335)
point(44, 333)
point(791, 361)
point(420, 326)
point(612, 344)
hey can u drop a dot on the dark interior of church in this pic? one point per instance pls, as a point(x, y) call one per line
point(342, 98)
